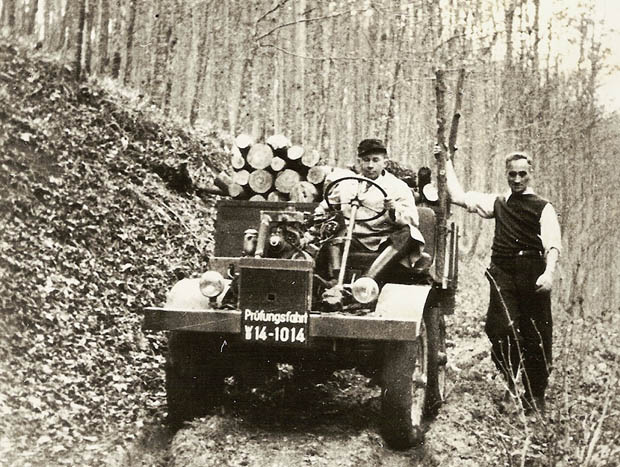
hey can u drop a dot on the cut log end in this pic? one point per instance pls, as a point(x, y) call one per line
point(259, 156)
point(278, 142)
point(237, 161)
point(317, 174)
point(260, 181)
point(311, 158)
point(286, 180)
point(241, 177)
point(244, 141)
point(278, 164)
point(304, 192)
point(277, 196)
point(295, 153)
point(236, 191)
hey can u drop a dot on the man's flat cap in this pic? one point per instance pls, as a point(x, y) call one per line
point(371, 146)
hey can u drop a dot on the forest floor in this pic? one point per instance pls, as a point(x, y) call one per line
point(99, 219)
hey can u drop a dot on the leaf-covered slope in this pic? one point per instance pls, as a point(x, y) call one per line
point(98, 219)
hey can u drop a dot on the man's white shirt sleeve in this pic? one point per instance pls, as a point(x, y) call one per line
point(550, 233)
point(405, 211)
point(480, 203)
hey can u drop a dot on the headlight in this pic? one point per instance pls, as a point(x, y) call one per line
point(275, 240)
point(430, 192)
point(211, 284)
point(365, 290)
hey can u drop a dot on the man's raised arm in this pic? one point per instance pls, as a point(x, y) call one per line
point(479, 203)
point(456, 192)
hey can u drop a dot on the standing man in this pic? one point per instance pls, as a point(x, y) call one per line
point(525, 251)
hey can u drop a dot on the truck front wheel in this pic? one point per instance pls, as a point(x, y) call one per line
point(194, 376)
point(403, 395)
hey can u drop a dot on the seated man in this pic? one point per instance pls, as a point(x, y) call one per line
point(394, 234)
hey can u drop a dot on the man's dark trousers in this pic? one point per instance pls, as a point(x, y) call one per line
point(520, 328)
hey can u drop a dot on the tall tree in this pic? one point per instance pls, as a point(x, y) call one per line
point(68, 21)
point(116, 46)
point(161, 50)
point(201, 66)
point(171, 40)
point(48, 31)
point(129, 42)
point(32, 16)
point(79, 40)
point(88, 28)
point(104, 25)
point(8, 14)
point(299, 90)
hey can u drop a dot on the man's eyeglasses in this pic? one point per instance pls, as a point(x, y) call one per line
point(513, 174)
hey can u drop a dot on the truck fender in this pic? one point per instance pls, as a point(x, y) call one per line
point(403, 302)
point(185, 295)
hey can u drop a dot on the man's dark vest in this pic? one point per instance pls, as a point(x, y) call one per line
point(517, 224)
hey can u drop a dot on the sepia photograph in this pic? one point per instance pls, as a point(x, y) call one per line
point(286, 233)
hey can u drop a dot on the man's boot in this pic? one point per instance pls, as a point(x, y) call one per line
point(391, 255)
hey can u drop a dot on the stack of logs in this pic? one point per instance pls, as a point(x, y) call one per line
point(274, 170)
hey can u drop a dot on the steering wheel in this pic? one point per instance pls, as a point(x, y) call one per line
point(332, 205)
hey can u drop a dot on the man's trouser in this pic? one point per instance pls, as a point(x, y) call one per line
point(519, 322)
point(398, 245)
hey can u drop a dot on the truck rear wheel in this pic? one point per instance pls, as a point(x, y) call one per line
point(403, 395)
point(194, 375)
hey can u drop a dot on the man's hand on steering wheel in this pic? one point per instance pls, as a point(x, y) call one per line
point(390, 206)
point(388, 203)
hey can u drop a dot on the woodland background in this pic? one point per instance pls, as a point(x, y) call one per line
point(93, 229)
point(328, 73)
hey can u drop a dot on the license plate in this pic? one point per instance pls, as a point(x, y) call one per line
point(288, 328)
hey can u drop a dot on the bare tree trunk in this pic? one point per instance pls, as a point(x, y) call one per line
point(392, 101)
point(32, 18)
point(508, 75)
point(118, 15)
point(536, 58)
point(509, 13)
point(161, 45)
point(90, 13)
point(79, 40)
point(324, 131)
point(256, 65)
point(171, 40)
point(201, 67)
point(239, 71)
point(8, 14)
point(275, 111)
point(47, 23)
point(183, 57)
point(65, 30)
point(104, 24)
point(300, 88)
point(130, 37)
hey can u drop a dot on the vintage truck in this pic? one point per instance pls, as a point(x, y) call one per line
point(261, 301)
